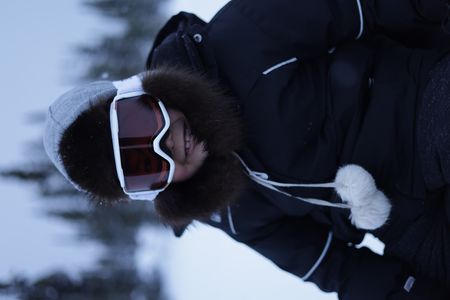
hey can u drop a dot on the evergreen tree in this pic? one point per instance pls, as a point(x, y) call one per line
point(115, 276)
point(122, 55)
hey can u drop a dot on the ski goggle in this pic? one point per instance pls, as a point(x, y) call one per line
point(139, 121)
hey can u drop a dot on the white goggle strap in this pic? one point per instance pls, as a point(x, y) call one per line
point(129, 85)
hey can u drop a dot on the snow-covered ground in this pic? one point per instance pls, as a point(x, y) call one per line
point(206, 264)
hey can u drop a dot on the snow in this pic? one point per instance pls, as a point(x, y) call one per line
point(207, 264)
point(38, 39)
point(32, 244)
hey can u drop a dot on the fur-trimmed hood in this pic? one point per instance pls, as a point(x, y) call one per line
point(215, 121)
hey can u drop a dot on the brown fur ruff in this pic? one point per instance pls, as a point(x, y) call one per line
point(87, 153)
point(214, 119)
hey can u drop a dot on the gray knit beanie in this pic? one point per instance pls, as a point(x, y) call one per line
point(65, 110)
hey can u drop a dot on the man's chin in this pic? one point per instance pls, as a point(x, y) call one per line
point(217, 183)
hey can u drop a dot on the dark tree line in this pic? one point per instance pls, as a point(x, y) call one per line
point(115, 275)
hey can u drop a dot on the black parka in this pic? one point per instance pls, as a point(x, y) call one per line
point(321, 84)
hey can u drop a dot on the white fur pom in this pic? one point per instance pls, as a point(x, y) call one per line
point(354, 184)
point(370, 208)
point(372, 215)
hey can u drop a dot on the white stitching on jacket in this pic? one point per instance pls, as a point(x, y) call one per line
point(361, 20)
point(322, 255)
point(409, 283)
point(216, 217)
point(291, 60)
point(230, 221)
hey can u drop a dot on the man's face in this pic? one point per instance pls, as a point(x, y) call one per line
point(187, 153)
point(204, 182)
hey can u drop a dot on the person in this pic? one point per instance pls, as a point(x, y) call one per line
point(295, 127)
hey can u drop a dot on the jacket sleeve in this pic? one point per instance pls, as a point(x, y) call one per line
point(308, 250)
point(308, 28)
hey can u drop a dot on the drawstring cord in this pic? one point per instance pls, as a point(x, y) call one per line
point(262, 179)
point(369, 207)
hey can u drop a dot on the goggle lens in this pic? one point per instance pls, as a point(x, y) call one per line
point(140, 122)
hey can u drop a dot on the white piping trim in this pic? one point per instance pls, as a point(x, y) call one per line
point(216, 217)
point(322, 255)
point(361, 20)
point(230, 221)
point(291, 60)
point(409, 283)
